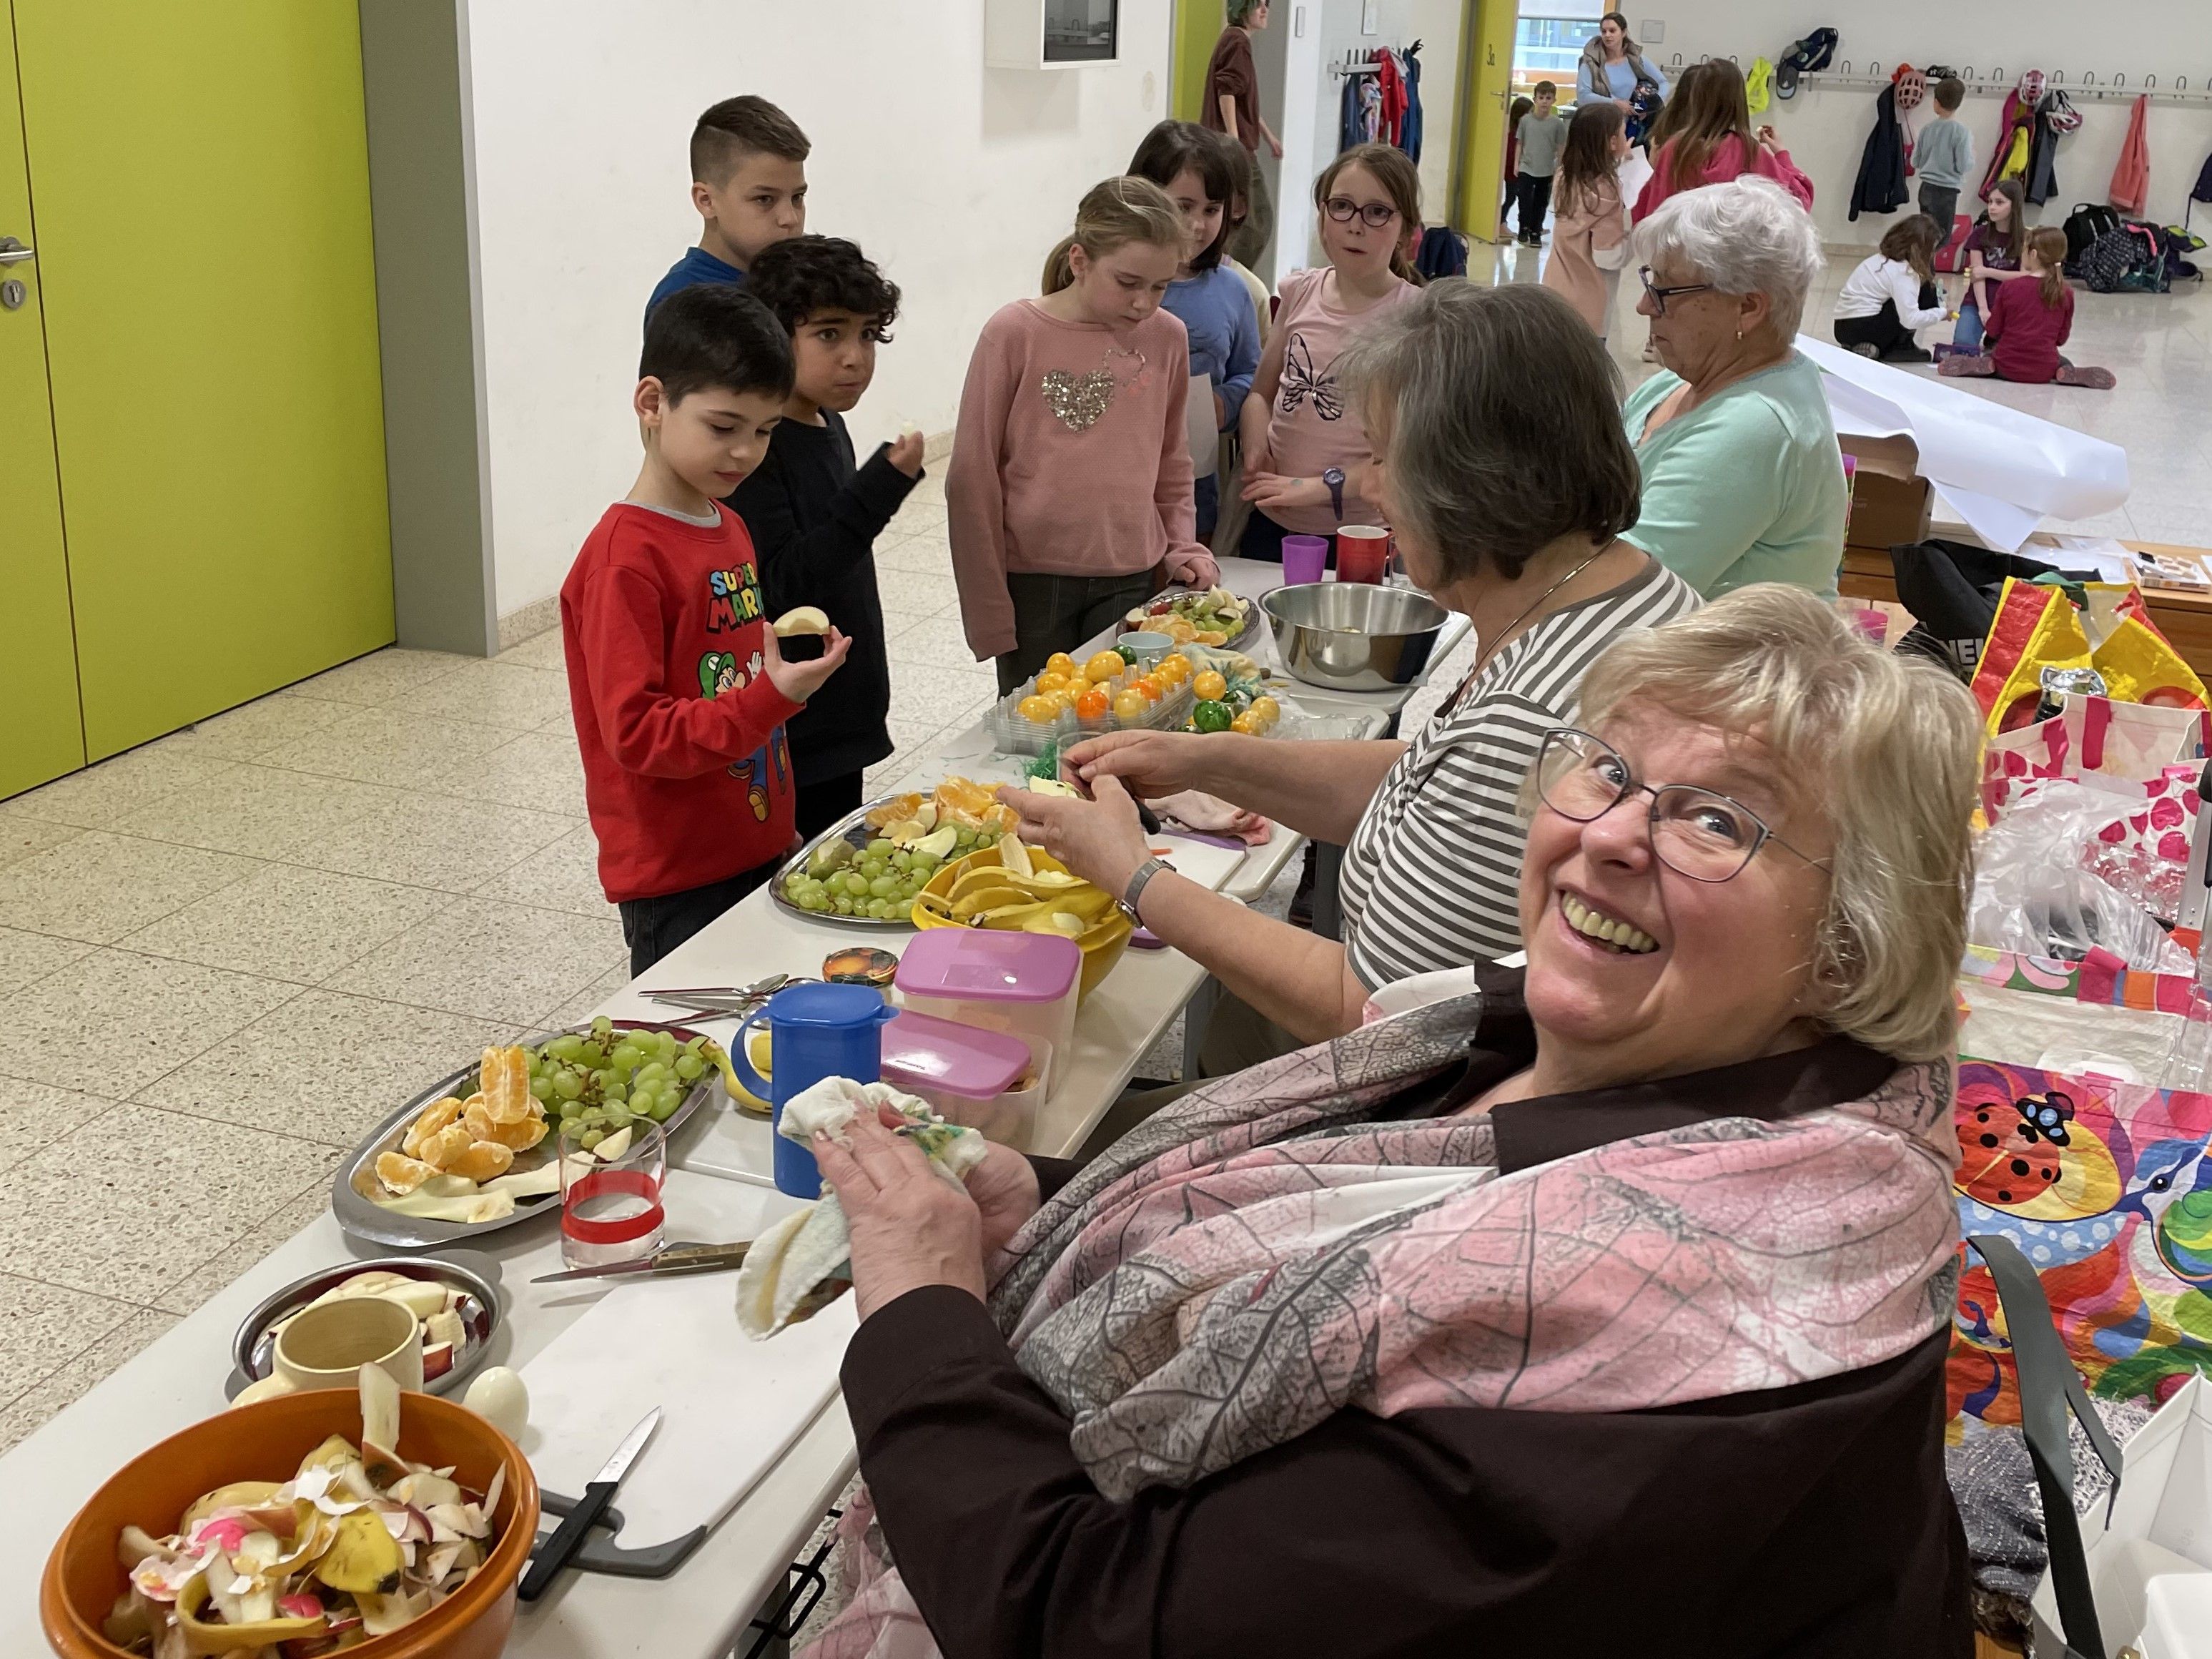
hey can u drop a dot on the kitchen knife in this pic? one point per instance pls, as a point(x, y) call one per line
point(553, 1554)
point(678, 1259)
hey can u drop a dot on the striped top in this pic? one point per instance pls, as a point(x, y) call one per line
point(1431, 879)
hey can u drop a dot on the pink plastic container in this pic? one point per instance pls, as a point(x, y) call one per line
point(1022, 984)
point(971, 1075)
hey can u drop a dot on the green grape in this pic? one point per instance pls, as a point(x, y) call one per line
point(652, 1072)
point(901, 860)
point(663, 1109)
point(566, 1047)
point(843, 905)
point(592, 1138)
point(698, 1044)
point(883, 887)
point(568, 1084)
point(880, 847)
point(816, 901)
point(616, 1092)
point(689, 1065)
point(541, 1088)
point(601, 1025)
point(856, 884)
point(666, 1044)
point(627, 1056)
point(923, 866)
point(571, 1109)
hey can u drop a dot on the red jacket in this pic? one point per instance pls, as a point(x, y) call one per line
point(686, 775)
point(2025, 334)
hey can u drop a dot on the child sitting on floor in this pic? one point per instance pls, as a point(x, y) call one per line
point(2028, 321)
point(1892, 293)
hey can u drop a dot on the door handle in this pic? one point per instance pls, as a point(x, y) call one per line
point(13, 252)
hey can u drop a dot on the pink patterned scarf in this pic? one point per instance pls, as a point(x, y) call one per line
point(1261, 1254)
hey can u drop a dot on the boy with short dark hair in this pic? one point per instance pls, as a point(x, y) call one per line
point(678, 691)
point(1943, 154)
point(749, 183)
point(814, 516)
point(1543, 134)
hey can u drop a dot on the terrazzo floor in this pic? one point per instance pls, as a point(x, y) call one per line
point(225, 954)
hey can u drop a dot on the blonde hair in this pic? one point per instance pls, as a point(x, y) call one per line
point(1885, 747)
point(1113, 213)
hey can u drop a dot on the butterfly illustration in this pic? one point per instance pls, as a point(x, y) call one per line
point(1299, 379)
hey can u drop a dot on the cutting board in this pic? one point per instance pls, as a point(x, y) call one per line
point(730, 1406)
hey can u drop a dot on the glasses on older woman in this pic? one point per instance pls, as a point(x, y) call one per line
point(1342, 209)
point(1695, 832)
point(1660, 295)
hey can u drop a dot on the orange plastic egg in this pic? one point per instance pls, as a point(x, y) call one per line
point(1094, 705)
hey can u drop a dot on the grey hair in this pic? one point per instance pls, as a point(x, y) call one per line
point(1883, 747)
point(1747, 236)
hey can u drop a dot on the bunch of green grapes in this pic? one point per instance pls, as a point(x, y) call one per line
point(881, 881)
point(605, 1079)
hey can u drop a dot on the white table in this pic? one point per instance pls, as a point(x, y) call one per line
point(719, 1180)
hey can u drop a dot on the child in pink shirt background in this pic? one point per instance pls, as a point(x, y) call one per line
point(1299, 426)
point(1068, 495)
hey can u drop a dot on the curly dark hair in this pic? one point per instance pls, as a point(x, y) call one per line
point(802, 275)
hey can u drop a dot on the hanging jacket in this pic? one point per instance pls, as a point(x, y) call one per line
point(2008, 159)
point(2131, 178)
point(1390, 90)
point(1880, 187)
point(1348, 115)
point(1409, 129)
point(2041, 182)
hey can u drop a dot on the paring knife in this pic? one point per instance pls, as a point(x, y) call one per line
point(676, 1259)
point(553, 1554)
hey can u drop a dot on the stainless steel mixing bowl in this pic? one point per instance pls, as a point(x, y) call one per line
point(1353, 636)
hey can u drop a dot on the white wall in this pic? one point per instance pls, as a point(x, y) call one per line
point(955, 178)
point(1826, 131)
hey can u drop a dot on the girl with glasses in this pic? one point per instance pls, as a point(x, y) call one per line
point(1307, 458)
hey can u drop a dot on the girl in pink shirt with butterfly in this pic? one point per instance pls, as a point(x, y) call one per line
point(1306, 452)
point(1068, 498)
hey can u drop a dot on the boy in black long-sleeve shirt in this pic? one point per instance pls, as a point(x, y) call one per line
point(814, 516)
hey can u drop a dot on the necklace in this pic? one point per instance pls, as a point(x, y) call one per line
point(1506, 632)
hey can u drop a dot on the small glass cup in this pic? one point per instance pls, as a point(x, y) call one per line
point(610, 1208)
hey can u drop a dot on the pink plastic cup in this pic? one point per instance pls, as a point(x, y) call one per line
point(1305, 560)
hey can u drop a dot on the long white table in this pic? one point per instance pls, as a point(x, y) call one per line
point(720, 1176)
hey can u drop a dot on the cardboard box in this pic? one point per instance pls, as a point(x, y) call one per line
point(1891, 503)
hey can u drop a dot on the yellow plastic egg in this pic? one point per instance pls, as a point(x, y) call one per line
point(1174, 668)
point(1059, 663)
point(1266, 708)
point(1045, 682)
point(1131, 708)
point(1041, 710)
point(1246, 724)
point(1208, 686)
point(1104, 666)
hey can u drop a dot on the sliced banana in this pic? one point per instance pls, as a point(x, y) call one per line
point(805, 619)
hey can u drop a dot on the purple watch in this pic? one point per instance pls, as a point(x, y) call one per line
point(1333, 478)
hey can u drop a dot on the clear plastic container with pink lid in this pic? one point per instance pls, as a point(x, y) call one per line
point(1022, 984)
point(981, 1078)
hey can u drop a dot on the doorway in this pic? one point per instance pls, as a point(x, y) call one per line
point(195, 485)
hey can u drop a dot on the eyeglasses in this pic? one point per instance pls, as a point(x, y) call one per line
point(1660, 295)
point(1374, 214)
point(1695, 832)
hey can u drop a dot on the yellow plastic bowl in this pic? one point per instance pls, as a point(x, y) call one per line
point(1101, 945)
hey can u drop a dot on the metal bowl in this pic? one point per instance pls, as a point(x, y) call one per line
point(1353, 636)
point(474, 1274)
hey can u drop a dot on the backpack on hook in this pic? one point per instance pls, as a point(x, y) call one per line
point(1815, 52)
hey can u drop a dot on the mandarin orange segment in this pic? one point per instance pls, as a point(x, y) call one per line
point(519, 1137)
point(434, 1116)
point(402, 1175)
point(441, 1150)
point(504, 1080)
point(483, 1160)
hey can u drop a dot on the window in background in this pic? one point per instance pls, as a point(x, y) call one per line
point(1547, 48)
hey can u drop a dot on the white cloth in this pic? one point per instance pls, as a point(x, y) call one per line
point(1877, 279)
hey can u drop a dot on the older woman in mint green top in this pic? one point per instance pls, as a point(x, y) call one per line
point(1742, 478)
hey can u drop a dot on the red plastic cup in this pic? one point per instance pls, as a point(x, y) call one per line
point(1363, 553)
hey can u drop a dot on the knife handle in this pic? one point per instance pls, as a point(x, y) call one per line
point(698, 1258)
point(553, 1554)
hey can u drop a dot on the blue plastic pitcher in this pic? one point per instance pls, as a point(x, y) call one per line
point(814, 1031)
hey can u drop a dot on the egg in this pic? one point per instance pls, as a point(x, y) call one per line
point(498, 1396)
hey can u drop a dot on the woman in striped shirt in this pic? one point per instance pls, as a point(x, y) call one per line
point(1508, 481)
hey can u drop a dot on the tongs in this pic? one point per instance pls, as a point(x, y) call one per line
point(722, 998)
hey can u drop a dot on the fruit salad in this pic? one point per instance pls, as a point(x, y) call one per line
point(1213, 617)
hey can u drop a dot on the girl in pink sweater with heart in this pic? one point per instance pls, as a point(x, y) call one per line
point(1068, 498)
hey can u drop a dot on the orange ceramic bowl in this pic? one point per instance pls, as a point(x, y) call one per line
point(265, 1442)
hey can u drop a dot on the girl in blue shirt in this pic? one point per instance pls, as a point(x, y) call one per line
point(1199, 170)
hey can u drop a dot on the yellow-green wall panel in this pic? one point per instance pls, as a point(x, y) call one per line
point(1198, 25)
point(201, 186)
point(1487, 79)
point(42, 735)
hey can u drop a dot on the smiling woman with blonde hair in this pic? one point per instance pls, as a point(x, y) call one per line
point(1611, 1298)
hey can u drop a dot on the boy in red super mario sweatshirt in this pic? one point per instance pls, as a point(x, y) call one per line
point(678, 691)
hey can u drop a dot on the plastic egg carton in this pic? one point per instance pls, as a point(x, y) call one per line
point(1018, 735)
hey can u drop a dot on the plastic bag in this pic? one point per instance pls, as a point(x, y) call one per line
point(2034, 897)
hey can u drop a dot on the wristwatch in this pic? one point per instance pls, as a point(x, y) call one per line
point(1139, 879)
point(1333, 478)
